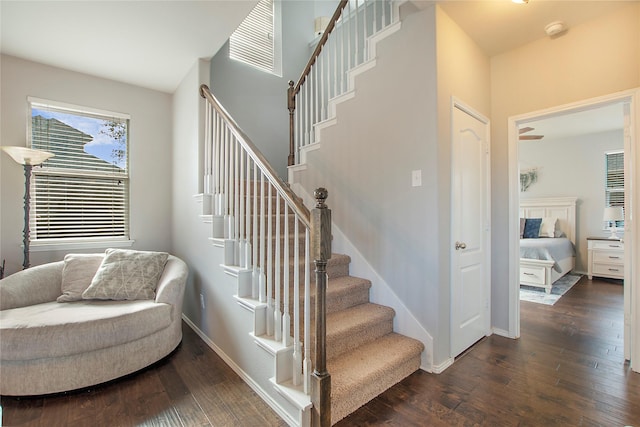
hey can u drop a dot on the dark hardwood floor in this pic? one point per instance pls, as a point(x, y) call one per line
point(567, 369)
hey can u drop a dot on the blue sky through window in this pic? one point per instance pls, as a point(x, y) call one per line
point(102, 145)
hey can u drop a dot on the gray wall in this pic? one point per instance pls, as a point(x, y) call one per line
point(258, 100)
point(381, 135)
point(149, 150)
point(573, 167)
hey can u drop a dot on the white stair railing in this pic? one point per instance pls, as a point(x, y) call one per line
point(342, 47)
point(248, 201)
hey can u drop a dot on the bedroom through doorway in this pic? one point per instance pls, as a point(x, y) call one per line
point(558, 157)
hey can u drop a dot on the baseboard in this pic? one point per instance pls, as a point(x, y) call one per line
point(502, 333)
point(440, 368)
point(246, 378)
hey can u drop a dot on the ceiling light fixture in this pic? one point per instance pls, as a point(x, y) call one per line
point(520, 1)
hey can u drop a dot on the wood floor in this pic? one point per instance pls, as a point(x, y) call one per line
point(567, 369)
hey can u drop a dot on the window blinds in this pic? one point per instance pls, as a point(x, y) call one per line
point(77, 194)
point(253, 41)
point(615, 178)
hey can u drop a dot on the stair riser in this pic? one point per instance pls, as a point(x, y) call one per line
point(358, 396)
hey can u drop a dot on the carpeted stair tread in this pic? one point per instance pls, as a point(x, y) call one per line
point(355, 326)
point(365, 372)
point(344, 292)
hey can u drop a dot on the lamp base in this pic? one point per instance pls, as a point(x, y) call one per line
point(614, 234)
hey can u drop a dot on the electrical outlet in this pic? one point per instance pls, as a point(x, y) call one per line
point(202, 301)
point(416, 178)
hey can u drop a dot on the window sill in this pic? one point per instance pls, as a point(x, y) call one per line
point(57, 245)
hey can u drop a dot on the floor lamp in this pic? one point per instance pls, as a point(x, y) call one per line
point(28, 158)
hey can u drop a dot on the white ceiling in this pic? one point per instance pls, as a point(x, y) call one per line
point(146, 43)
point(498, 26)
point(596, 120)
point(153, 44)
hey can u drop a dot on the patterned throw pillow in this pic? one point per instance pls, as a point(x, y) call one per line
point(127, 275)
point(77, 273)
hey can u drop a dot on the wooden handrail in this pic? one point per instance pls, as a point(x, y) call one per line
point(323, 40)
point(294, 88)
point(290, 197)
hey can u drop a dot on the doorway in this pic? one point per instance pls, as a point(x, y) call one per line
point(628, 102)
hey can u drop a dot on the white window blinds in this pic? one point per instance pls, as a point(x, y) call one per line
point(253, 41)
point(614, 189)
point(82, 192)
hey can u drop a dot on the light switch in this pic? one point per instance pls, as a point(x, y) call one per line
point(416, 178)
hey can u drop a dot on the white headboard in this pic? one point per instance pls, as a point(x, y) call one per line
point(563, 208)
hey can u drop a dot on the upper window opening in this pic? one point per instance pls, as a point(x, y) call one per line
point(256, 41)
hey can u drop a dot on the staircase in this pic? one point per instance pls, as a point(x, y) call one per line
point(364, 356)
point(328, 348)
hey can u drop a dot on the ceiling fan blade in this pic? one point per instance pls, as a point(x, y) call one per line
point(525, 130)
point(530, 137)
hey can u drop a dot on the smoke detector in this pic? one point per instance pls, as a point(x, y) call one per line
point(555, 28)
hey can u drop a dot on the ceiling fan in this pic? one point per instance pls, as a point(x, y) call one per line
point(528, 137)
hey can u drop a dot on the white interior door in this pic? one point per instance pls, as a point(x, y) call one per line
point(470, 252)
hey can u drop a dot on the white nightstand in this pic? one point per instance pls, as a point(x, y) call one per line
point(606, 257)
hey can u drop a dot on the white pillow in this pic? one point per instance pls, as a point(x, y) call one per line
point(548, 227)
point(77, 273)
point(127, 275)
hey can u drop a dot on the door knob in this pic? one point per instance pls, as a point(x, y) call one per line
point(461, 245)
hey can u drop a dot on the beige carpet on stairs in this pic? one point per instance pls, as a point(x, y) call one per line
point(364, 356)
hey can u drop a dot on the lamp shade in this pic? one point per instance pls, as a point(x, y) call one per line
point(27, 156)
point(613, 213)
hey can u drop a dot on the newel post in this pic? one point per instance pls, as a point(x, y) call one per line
point(321, 251)
point(291, 105)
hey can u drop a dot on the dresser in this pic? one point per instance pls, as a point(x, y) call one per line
point(605, 257)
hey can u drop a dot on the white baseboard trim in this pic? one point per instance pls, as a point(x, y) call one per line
point(502, 333)
point(439, 368)
point(246, 378)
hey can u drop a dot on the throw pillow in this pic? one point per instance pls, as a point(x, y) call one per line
point(548, 227)
point(532, 228)
point(522, 222)
point(127, 275)
point(77, 273)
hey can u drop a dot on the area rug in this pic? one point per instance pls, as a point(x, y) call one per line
point(560, 287)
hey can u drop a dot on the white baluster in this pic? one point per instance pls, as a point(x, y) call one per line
point(242, 259)
point(306, 364)
point(355, 63)
point(364, 31)
point(307, 113)
point(335, 63)
point(286, 317)
point(269, 273)
point(236, 202)
point(277, 315)
point(322, 78)
point(297, 357)
point(263, 285)
point(247, 202)
point(256, 278)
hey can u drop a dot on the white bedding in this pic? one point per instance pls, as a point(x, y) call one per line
point(550, 249)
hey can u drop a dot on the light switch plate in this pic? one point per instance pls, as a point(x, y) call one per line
point(416, 178)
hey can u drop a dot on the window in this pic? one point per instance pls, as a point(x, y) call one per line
point(614, 187)
point(256, 41)
point(81, 195)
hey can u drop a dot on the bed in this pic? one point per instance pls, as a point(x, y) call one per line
point(543, 260)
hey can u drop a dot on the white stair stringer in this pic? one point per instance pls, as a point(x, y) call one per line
point(372, 43)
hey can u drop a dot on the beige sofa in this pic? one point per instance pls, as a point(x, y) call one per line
point(48, 346)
